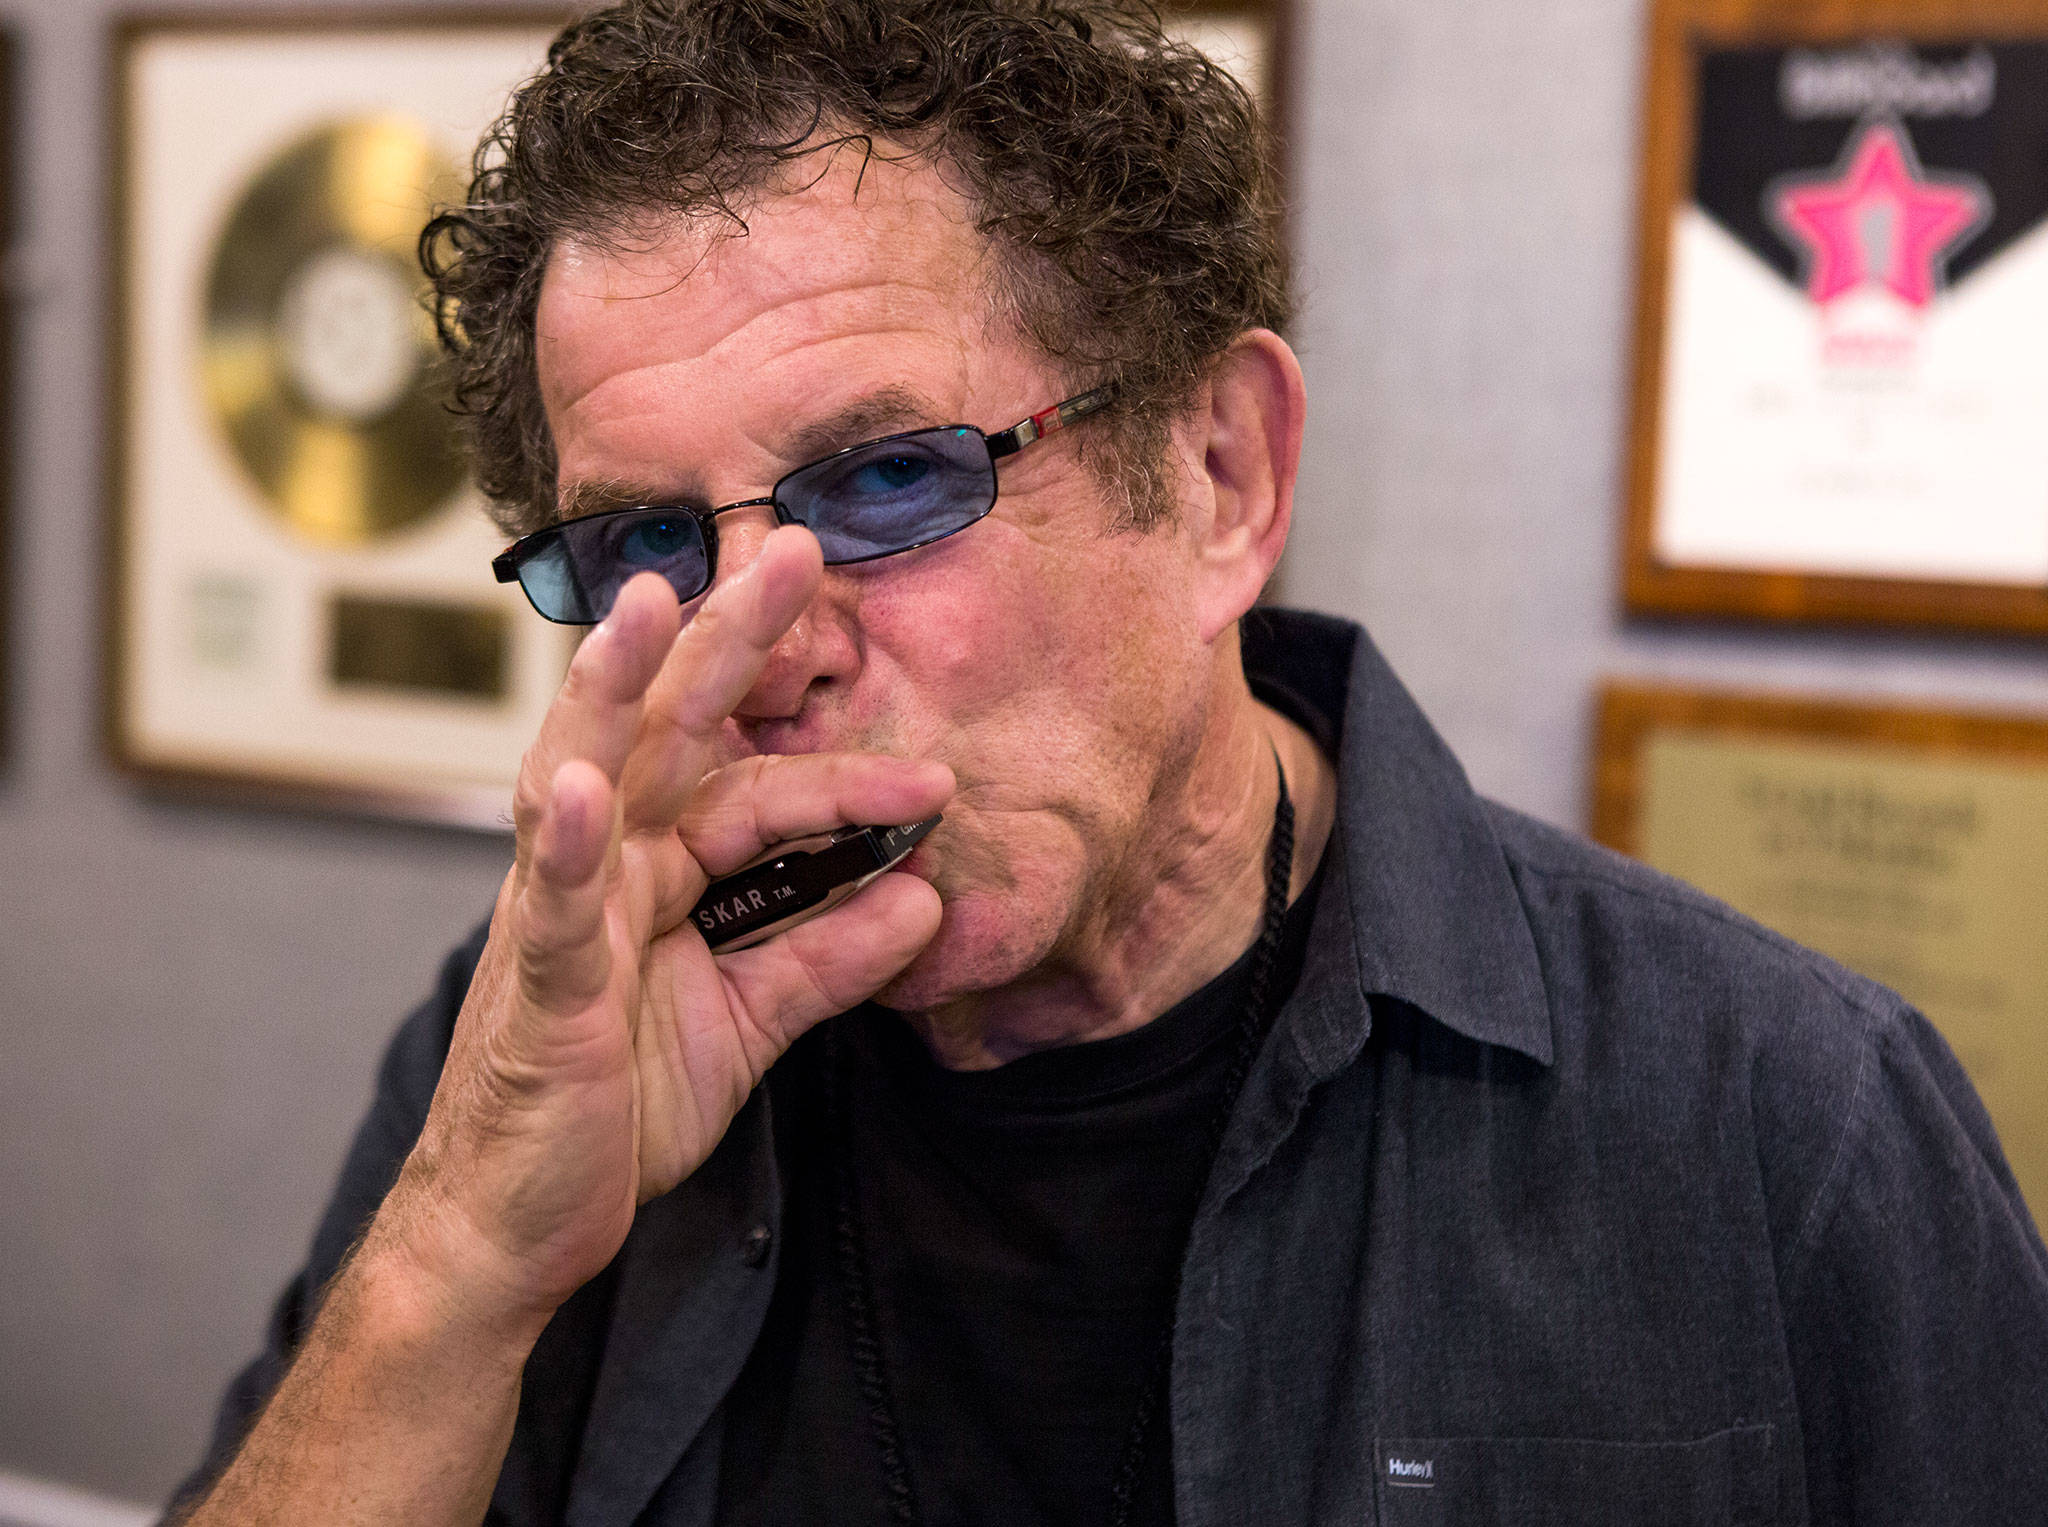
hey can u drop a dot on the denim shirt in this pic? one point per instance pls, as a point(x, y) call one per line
point(1558, 1194)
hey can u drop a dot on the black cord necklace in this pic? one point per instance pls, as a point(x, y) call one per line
point(855, 1277)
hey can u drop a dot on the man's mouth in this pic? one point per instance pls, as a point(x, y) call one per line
point(921, 862)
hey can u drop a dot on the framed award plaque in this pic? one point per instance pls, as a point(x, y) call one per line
point(1840, 380)
point(1910, 845)
point(301, 602)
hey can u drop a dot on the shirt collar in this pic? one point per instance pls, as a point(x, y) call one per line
point(1435, 918)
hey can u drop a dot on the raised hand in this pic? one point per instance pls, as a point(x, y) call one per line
point(603, 1050)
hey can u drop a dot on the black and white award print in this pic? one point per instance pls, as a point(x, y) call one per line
point(1856, 361)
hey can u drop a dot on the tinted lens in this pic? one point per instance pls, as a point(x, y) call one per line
point(575, 573)
point(892, 495)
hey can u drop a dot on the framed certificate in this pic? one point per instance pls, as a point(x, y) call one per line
point(1910, 845)
point(1840, 380)
point(301, 605)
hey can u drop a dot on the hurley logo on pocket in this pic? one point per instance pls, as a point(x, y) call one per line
point(1417, 1473)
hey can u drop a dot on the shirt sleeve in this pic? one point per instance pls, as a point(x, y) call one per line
point(1918, 1317)
point(405, 1086)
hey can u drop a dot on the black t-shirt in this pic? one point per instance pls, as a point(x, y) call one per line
point(1023, 1228)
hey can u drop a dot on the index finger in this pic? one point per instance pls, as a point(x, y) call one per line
point(596, 715)
point(708, 672)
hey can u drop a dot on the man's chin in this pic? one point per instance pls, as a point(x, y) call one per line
point(969, 954)
point(936, 977)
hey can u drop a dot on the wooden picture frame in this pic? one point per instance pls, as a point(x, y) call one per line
point(254, 653)
point(1908, 843)
point(1630, 713)
point(1759, 488)
point(11, 297)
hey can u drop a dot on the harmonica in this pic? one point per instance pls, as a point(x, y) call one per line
point(797, 880)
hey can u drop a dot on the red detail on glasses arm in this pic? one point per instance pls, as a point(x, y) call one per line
point(1045, 423)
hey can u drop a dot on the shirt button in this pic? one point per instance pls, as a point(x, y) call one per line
point(754, 1245)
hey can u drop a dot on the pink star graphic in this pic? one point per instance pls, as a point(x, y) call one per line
point(1881, 222)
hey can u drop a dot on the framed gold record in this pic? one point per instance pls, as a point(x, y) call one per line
point(301, 604)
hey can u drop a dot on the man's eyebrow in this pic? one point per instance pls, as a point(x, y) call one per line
point(885, 411)
point(576, 499)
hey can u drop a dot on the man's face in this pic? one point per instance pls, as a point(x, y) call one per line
point(1052, 661)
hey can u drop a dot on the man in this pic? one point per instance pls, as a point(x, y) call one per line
point(1250, 1123)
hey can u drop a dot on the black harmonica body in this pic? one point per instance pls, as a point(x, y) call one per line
point(798, 880)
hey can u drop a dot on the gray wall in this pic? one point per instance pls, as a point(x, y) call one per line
point(191, 998)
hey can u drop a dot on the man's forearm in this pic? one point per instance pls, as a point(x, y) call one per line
point(398, 1408)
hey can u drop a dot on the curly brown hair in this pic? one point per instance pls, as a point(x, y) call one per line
point(1122, 178)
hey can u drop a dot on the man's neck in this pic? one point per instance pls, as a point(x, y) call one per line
point(1185, 900)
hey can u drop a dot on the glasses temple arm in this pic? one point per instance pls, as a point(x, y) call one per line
point(1047, 422)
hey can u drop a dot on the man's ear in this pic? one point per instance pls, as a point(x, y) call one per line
point(1253, 426)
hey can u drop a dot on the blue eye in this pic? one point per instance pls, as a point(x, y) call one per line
point(653, 542)
point(892, 494)
point(889, 474)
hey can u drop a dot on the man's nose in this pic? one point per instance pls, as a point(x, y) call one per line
point(817, 651)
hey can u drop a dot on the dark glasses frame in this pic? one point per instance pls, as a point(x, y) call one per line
point(507, 564)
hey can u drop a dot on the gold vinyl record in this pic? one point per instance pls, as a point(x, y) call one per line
point(318, 352)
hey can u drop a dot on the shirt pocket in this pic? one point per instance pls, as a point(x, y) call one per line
point(1723, 1480)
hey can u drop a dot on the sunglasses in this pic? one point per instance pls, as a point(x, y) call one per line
point(870, 500)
